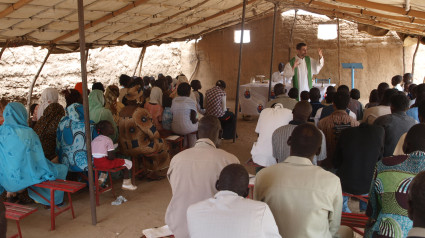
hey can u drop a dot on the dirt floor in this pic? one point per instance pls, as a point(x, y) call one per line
point(145, 207)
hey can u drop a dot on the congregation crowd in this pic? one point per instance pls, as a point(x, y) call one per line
point(307, 155)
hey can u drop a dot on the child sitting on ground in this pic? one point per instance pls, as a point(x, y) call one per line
point(103, 151)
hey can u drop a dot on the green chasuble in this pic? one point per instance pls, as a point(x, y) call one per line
point(295, 81)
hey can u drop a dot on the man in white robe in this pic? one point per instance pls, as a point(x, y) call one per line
point(277, 77)
point(302, 68)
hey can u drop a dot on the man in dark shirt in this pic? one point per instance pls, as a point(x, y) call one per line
point(395, 124)
point(315, 102)
point(357, 151)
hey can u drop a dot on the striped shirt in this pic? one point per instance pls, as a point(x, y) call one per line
point(281, 149)
point(214, 98)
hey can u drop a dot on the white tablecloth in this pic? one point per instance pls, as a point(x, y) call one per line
point(253, 96)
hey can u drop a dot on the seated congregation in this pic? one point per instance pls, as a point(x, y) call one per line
point(310, 155)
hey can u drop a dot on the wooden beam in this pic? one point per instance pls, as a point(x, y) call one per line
point(364, 12)
point(35, 79)
point(414, 55)
point(204, 19)
point(4, 48)
point(102, 19)
point(384, 7)
point(14, 7)
point(385, 25)
point(339, 52)
point(163, 21)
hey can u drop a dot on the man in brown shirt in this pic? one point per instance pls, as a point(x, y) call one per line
point(333, 125)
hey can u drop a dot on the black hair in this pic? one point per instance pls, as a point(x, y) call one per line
point(414, 139)
point(416, 197)
point(341, 100)
point(355, 93)
point(279, 89)
point(314, 94)
point(386, 99)
point(305, 95)
point(293, 93)
point(166, 100)
point(382, 87)
point(235, 178)
point(32, 108)
point(136, 81)
point(195, 84)
point(125, 80)
point(300, 45)
point(399, 102)
point(305, 140)
point(408, 78)
point(396, 80)
point(374, 97)
point(99, 86)
point(72, 96)
point(344, 88)
point(221, 84)
point(183, 90)
point(146, 80)
point(330, 92)
point(420, 93)
point(102, 126)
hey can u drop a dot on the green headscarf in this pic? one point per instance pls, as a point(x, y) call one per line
point(98, 112)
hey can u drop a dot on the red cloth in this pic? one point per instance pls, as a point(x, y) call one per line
point(105, 163)
point(79, 88)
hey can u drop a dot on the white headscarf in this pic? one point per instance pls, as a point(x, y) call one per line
point(49, 95)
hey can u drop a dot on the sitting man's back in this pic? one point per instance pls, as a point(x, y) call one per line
point(194, 172)
point(229, 213)
point(305, 200)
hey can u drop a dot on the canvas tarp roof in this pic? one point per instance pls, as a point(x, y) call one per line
point(54, 23)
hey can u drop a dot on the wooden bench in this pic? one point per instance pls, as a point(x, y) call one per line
point(18, 212)
point(59, 185)
point(99, 189)
point(356, 221)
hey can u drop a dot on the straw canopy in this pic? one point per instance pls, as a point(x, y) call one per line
point(54, 23)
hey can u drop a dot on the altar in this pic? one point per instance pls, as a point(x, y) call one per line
point(253, 96)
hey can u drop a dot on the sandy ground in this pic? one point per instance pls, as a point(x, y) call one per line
point(145, 207)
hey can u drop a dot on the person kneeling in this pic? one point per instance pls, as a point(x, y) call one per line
point(103, 151)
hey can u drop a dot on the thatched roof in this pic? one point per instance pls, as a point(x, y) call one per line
point(54, 23)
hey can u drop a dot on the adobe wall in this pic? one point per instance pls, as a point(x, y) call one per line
point(380, 56)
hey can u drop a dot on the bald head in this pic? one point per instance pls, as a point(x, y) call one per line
point(210, 127)
point(305, 141)
point(302, 111)
point(235, 178)
point(416, 200)
point(414, 139)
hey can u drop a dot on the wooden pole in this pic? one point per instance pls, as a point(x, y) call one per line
point(404, 58)
point(239, 70)
point(86, 108)
point(87, 55)
point(339, 52)
point(4, 48)
point(138, 60)
point(291, 38)
point(272, 53)
point(141, 61)
point(35, 79)
point(414, 55)
point(14, 7)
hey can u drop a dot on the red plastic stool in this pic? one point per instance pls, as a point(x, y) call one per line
point(99, 189)
point(356, 221)
point(18, 212)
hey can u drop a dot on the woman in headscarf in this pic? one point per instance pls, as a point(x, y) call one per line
point(98, 112)
point(48, 96)
point(71, 137)
point(111, 96)
point(22, 161)
point(46, 129)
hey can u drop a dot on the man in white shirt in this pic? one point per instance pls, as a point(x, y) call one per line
point(305, 200)
point(229, 213)
point(270, 119)
point(194, 172)
point(302, 68)
point(277, 77)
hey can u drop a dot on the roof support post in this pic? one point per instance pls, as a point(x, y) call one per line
point(140, 61)
point(4, 48)
point(291, 38)
point(86, 108)
point(35, 79)
point(339, 51)
point(414, 55)
point(272, 53)
point(239, 71)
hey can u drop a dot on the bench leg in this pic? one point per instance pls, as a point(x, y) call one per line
point(110, 183)
point(19, 229)
point(134, 169)
point(70, 205)
point(52, 209)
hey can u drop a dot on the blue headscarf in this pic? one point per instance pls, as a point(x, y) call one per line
point(22, 160)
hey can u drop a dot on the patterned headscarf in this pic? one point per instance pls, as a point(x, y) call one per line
point(111, 95)
point(46, 128)
point(49, 95)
